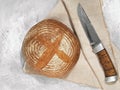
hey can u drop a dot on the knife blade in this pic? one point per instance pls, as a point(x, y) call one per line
point(97, 47)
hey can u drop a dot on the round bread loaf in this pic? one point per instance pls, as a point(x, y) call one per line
point(50, 48)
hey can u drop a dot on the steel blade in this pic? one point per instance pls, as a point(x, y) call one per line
point(89, 29)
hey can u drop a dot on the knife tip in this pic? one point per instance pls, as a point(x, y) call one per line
point(79, 6)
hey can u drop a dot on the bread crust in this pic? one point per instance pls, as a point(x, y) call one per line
point(50, 48)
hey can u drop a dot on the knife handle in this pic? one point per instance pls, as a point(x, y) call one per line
point(107, 65)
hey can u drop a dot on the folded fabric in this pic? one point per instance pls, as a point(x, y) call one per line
point(88, 70)
point(16, 17)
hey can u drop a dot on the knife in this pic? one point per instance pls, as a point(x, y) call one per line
point(97, 47)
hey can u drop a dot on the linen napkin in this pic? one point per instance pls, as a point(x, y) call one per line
point(88, 70)
point(16, 18)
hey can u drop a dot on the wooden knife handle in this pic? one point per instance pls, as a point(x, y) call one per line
point(106, 63)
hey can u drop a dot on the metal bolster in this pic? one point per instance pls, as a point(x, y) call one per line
point(111, 79)
point(98, 48)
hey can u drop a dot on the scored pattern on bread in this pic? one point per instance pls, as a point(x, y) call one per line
point(50, 48)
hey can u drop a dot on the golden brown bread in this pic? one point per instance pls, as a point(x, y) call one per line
point(50, 49)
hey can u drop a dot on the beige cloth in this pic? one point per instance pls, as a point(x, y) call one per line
point(88, 70)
